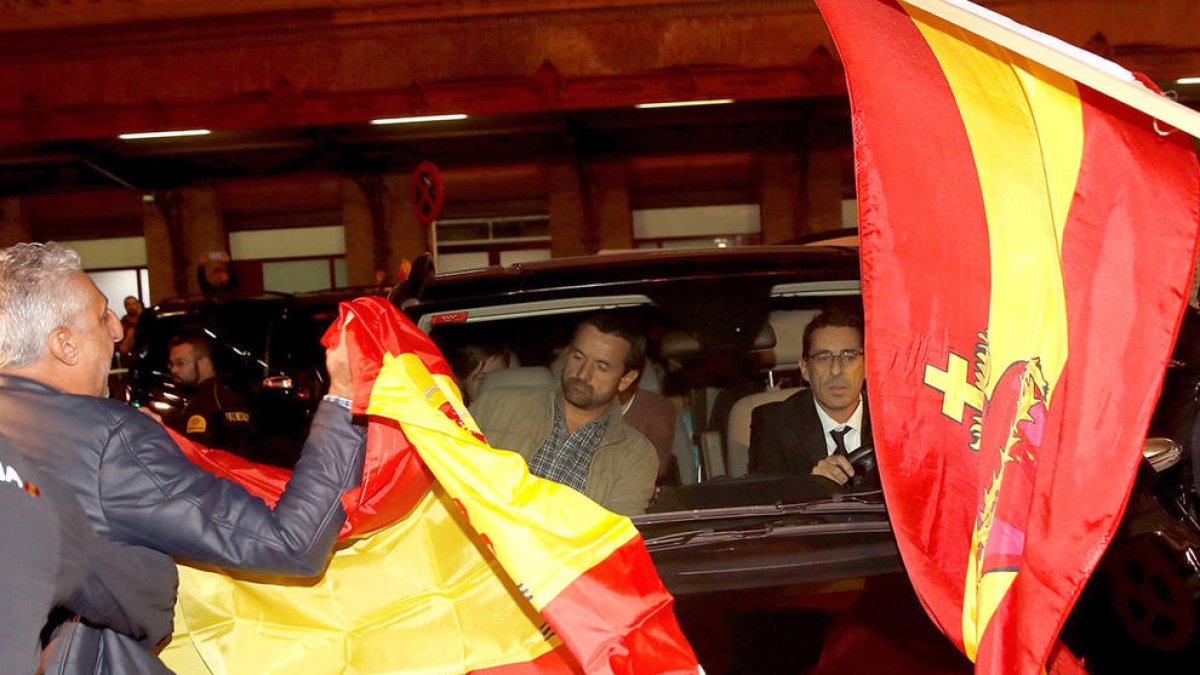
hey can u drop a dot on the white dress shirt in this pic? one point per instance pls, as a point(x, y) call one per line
point(853, 439)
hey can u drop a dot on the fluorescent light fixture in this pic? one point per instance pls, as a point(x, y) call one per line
point(1188, 80)
point(421, 118)
point(683, 104)
point(164, 134)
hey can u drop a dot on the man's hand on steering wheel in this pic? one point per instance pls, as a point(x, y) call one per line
point(836, 468)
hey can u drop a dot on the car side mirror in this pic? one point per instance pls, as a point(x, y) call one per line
point(1162, 453)
point(282, 382)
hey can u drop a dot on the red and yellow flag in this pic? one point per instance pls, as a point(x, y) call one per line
point(453, 559)
point(1027, 246)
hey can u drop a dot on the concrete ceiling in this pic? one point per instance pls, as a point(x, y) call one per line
point(287, 87)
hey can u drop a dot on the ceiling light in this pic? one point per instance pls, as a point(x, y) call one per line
point(422, 118)
point(164, 134)
point(1188, 80)
point(682, 104)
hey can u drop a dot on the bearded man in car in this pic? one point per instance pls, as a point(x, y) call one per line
point(574, 433)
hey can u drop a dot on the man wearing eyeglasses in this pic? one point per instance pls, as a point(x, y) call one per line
point(814, 430)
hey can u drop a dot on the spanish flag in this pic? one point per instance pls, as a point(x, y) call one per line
point(453, 558)
point(1027, 249)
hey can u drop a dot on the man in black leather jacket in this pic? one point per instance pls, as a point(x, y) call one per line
point(52, 561)
point(56, 343)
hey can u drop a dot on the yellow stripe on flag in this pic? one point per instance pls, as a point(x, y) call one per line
point(373, 611)
point(546, 534)
point(1025, 127)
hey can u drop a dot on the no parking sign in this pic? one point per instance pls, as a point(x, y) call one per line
point(427, 195)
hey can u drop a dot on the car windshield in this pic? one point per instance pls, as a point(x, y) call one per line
point(705, 353)
point(240, 333)
point(266, 349)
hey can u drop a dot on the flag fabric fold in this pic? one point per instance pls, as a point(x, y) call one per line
point(453, 558)
point(1027, 248)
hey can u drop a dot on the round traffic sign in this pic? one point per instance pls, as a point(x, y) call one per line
point(427, 192)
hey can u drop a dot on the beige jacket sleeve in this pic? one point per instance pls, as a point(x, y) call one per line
point(623, 473)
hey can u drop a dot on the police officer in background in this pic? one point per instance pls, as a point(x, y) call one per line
point(215, 416)
point(51, 559)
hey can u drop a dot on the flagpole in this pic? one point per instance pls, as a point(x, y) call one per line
point(1084, 67)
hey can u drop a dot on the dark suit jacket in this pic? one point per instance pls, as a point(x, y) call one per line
point(786, 436)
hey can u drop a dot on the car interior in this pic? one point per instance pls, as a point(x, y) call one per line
point(714, 377)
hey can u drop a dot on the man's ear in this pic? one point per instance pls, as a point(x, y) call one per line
point(61, 345)
point(628, 379)
point(804, 369)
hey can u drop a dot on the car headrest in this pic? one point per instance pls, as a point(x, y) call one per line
point(678, 344)
point(650, 380)
point(522, 376)
point(737, 437)
point(788, 327)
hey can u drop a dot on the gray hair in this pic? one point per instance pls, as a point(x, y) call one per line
point(36, 297)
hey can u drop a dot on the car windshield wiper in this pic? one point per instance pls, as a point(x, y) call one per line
point(706, 536)
point(856, 503)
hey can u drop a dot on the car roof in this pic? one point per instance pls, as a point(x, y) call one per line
point(633, 271)
point(186, 303)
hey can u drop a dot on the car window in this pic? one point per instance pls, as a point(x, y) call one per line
point(703, 365)
point(239, 333)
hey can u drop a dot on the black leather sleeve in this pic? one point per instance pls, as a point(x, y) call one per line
point(152, 495)
point(129, 589)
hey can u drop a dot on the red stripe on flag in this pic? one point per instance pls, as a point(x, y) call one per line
point(915, 175)
point(620, 608)
point(1127, 252)
point(394, 478)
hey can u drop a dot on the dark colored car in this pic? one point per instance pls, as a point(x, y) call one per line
point(723, 326)
point(750, 560)
point(761, 567)
point(266, 348)
point(746, 555)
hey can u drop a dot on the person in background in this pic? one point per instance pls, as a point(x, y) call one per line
point(471, 363)
point(133, 310)
point(215, 415)
point(127, 473)
point(654, 417)
point(55, 572)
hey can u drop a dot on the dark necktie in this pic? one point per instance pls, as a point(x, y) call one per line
point(839, 440)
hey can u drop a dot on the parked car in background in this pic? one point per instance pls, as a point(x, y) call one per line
point(266, 347)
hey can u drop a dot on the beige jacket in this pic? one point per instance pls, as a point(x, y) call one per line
point(621, 477)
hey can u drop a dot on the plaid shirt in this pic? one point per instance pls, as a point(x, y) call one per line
point(567, 458)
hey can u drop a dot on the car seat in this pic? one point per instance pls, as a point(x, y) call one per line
point(737, 438)
point(788, 327)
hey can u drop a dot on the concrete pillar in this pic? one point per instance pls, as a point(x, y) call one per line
point(160, 253)
point(568, 230)
point(14, 222)
point(779, 197)
point(611, 217)
point(359, 232)
point(203, 229)
point(182, 227)
point(381, 228)
point(823, 191)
